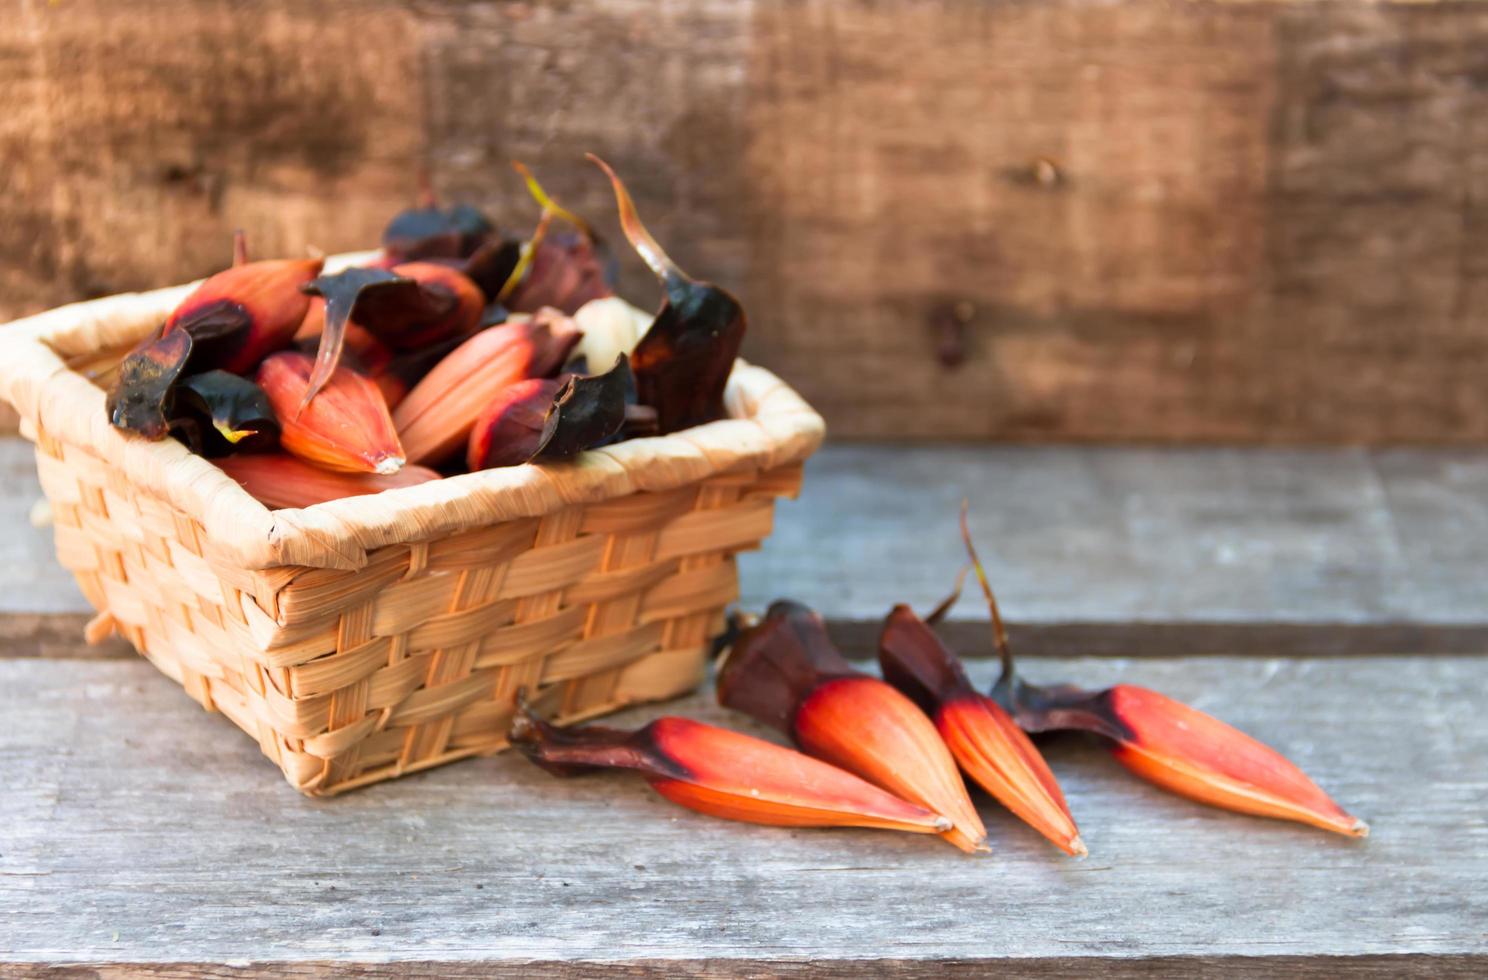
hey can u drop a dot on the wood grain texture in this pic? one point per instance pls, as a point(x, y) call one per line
point(1250, 221)
point(137, 136)
point(1089, 177)
point(1093, 550)
point(1138, 535)
point(173, 842)
point(1156, 968)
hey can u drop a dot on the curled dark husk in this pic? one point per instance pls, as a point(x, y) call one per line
point(380, 300)
point(549, 419)
point(432, 232)
point(229, 413)
point(682, 365)
point(141, 397)
point(586, 412)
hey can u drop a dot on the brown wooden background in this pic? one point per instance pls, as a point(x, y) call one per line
point(1187, 221)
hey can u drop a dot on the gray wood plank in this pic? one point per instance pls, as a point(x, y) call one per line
point(1099, 550)
point(1074, 534)
point(1435, 504)
point(138, 830)
point(31, 581)
point(1165, 968)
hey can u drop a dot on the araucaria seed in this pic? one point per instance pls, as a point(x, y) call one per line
point(784, 671)
point(989, 747)
point(279, 480)
point(1164, 741)
point(435, 418)
point(242, 314)
point(344, 427)
point(724, 774)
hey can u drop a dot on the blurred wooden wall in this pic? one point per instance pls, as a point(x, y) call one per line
point(1185, 221)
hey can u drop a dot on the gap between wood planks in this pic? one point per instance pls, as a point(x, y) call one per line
point(58, 636)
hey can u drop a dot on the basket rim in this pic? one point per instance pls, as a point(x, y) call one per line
point(770, 425)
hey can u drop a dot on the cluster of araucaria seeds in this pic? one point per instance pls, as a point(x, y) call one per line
point(891, 753)
point(458, 348)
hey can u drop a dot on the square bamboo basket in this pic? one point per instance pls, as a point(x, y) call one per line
point(365, 638)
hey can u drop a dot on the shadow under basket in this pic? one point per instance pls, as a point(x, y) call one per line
point(365, 638)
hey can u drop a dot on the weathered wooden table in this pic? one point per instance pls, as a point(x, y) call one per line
point(1329, 602)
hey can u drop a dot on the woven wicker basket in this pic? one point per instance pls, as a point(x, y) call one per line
point(368, 637)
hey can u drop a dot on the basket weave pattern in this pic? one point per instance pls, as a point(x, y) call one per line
point(370, 637)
